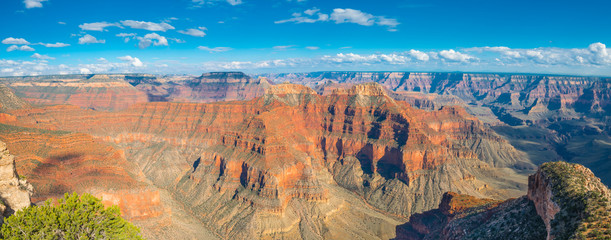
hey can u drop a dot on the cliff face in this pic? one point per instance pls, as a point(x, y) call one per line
point(15, 191)
point(58, 162)
point(209, 87)
point(548, 117)
point(293, 163)
point(564, 201)
point(513, 99)
point(102, 92)
point(572, 202)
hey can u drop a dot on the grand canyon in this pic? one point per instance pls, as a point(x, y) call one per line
point(305, 119)
point(322, 155)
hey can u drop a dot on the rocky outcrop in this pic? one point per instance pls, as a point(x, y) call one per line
point(15, 191)
point(540, 192)
point(293, 163)
point(9, 101)
point(572, 202)
point(564, 201)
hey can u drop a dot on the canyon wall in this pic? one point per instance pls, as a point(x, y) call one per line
point(296, 164)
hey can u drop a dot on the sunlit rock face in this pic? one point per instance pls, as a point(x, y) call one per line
point(266, 166)
point(15, 192)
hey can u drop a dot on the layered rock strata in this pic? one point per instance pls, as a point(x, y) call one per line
point(296, 164)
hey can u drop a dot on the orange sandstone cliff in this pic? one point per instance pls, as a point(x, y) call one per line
point(293, 163)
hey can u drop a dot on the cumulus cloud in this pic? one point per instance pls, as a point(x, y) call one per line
point(215, 49)
point(600, 53)
point(19, 48)
point(593, 59)
point(33, 3)
point(455, 56)
point(87, 39)
point(85, 71)
point(18, 41)
point(368, 59)
point(151, 26)
point(41, 57)
point(98, 26)
point(134, 61)
point(342, 15)
point(595, 54)
point(152, 38)
point(199, 32)
point(421, 56)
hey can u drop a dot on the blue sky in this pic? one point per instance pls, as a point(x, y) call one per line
point(195, 36)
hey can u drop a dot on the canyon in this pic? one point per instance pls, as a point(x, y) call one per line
point(227, 155)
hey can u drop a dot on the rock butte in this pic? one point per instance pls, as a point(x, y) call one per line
point(292, 163)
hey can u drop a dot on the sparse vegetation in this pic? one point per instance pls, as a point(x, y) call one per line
point(585, 210)
point(73, 217)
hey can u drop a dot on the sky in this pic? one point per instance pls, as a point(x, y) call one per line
point(41, 37)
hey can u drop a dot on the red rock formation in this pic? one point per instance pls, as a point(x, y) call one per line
point(288, 146)
point(103, 92)
point(60, 162)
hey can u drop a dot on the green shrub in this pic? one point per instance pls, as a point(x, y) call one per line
point(73, 217)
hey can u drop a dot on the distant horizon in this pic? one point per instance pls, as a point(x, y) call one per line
point(337, 71)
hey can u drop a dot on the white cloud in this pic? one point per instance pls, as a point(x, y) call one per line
point(367, 59)
point(421, 56)
point(126, 36)
point(342, 15)
point(455, 56)
point(87, 39)
point(62, 23)
point(311, 12)
point(152, 38)
point(589, 60)
point(18, 41)
point(85, 71)
point(19, 48)
point(298, 18)
point(234, 2)
point(33, 3)
point(194, 32)
point(41, 57)
point(55, 45)
point(312, 47)
point(151, 26)
point(200, 3)
point(215, 49)
point(134, 61)
point(97, 26)
point(600, 53)
point(177, 40)
point(283, 47)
